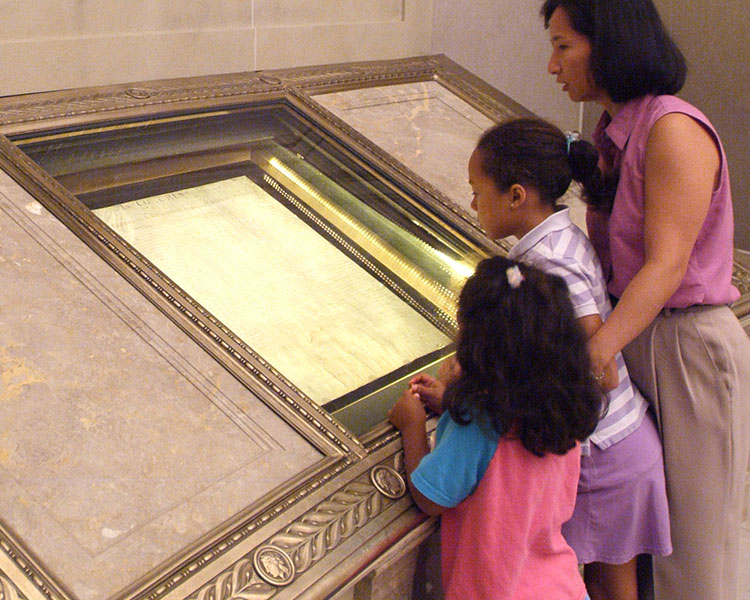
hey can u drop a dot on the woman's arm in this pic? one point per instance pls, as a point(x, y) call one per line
point(681, 170)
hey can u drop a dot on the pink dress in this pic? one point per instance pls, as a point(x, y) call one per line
point(501, 536)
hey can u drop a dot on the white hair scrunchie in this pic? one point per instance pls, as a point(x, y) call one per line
point(515, 277)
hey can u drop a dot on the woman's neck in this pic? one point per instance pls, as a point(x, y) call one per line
point(610, 107)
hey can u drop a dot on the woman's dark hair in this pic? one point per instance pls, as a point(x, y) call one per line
point(524, 365)
point(632, 54)
point(535, 153)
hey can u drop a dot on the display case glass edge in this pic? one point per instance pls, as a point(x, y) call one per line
point(421, 189)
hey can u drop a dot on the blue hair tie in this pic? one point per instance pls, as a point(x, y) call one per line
point(570, 137)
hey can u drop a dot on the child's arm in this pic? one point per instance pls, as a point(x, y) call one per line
point(408, 415)
point(610, 379)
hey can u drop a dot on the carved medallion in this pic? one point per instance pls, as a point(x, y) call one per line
point(273, 565)
point(388, 481)
point(139, 93)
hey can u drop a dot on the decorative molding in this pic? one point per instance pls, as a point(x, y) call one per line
point(361, 74)
point(305, 541)
point(82, 103)
point(26, 566)
point(8, 591)
point(179, 575)
point(388, 481)
point(741, 308)
point(273, 565)
point(741, 278)
point(34, 110)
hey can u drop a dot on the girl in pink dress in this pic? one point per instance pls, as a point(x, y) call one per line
point(504, 470)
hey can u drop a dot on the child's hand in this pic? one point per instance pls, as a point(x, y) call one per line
point(429, 390)
point(408, 412)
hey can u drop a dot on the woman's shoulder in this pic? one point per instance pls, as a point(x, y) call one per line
point(679, 122)
point(660, 106)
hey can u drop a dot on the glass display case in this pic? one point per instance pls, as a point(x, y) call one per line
point(213, 290)
point(333, 275)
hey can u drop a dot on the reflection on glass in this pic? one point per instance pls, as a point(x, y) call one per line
point(318, 263)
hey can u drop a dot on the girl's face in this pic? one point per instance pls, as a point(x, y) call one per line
point(569, 62)
point(493, 207)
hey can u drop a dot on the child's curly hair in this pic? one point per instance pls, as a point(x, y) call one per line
point(523, 358)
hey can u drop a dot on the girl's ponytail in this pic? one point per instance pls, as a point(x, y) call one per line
point(535, 153)
point(598, 189)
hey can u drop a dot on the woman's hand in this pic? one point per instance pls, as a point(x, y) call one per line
point(603, 365)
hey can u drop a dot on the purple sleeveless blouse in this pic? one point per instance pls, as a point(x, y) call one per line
point(619, 238)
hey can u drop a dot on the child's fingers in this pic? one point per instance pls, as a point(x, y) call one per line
point(422, 391)
point(421, 379)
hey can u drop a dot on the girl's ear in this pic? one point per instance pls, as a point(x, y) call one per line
point(518, 195)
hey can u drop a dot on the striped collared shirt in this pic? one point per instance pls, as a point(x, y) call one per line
point(559, 247)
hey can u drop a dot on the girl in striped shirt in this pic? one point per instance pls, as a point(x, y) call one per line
point(518, 172)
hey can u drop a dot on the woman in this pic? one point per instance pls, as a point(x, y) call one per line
point(666, 243)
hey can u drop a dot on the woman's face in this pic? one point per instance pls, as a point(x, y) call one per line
point(569, 62)
point(493, 206)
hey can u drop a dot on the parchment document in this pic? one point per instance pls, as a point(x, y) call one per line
point(304, 306)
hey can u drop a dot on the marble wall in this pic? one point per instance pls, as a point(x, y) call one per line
point(505, 44)
point(58, 44)
point(713, 36)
